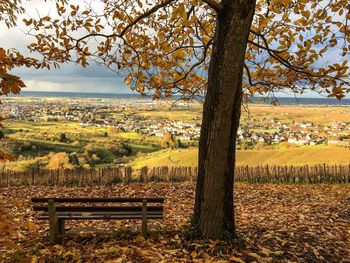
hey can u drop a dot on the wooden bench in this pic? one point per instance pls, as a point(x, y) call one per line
point(86, 209)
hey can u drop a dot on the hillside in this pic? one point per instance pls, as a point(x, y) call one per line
point(288, 156)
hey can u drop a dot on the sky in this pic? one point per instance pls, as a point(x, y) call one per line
point(70, 77)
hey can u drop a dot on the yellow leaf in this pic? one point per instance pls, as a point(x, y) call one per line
point(254, 255)
point(179, 53)
point(128, 80)
point(139, 239)
point(266, 251)
point(285, 2)
point(31, 226)
point(45, 252)
point(237, 259)
point(181, 9)
point(278, 253)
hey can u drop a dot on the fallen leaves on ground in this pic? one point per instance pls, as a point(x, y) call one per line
point(275, 223)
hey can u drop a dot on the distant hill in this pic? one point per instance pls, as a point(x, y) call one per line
point(281, 100)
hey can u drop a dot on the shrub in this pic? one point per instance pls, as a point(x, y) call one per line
point(120, 149)
point(62, 137)
point(60, 161)
point(92, 151)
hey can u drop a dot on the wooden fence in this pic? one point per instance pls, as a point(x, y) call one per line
point(105, 176)
point(110, 176)
point(294, 174)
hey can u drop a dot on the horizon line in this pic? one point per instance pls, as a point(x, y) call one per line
point(133, 93)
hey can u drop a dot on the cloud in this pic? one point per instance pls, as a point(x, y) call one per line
point(73, 78)
point(70, 70)
point(96, 86)
point(69, 77)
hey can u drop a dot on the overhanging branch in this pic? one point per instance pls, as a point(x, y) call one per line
point(145, 15)
point(213, 4)
point(130, 25)
point(205, 50)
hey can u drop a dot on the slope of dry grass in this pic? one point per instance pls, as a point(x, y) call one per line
point(293, 156)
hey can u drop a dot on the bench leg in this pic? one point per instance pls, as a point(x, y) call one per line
point(61, 230)
point(53, 222)
point(144, 227)
point(144, 218)
point(54, 236)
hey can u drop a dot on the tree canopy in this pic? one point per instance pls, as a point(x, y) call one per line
point(166, 46)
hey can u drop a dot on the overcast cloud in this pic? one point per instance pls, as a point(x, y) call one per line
point(70, 77)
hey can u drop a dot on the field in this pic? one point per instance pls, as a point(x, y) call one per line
point(275, 223)
point(284, 156)
point(317, 114)
point(41, 139)
point(34, 141)
point(183, 115)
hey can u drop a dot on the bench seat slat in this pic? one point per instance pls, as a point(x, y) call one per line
point(98, 208)
point(107, 213)
point(96, 217)
point(98, 200)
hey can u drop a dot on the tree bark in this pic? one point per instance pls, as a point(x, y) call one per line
point(214, 213)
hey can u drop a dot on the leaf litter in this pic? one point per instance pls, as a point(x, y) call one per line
point(275, 223)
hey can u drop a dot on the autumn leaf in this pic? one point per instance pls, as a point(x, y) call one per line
point(237, 259)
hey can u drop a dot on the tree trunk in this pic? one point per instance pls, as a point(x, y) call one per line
point(213, 214)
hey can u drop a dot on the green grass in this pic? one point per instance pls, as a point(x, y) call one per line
point(45, 147)
point(45, 135)
point(129, 135)
point(181, 157)
point(144, 148)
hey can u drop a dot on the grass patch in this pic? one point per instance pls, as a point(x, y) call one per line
point(286, 156)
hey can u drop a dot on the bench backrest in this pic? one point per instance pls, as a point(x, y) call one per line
point(79, 210)
point(157, 207)
point(98, 200)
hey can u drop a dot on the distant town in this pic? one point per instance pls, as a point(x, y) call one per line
point(300, 133)
point(128, 115)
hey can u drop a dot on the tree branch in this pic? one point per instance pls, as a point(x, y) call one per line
point(250, 80)
point(145, 15)
point(213, 4)
point(138, 19)
point(275, 54)
point(193, 66)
